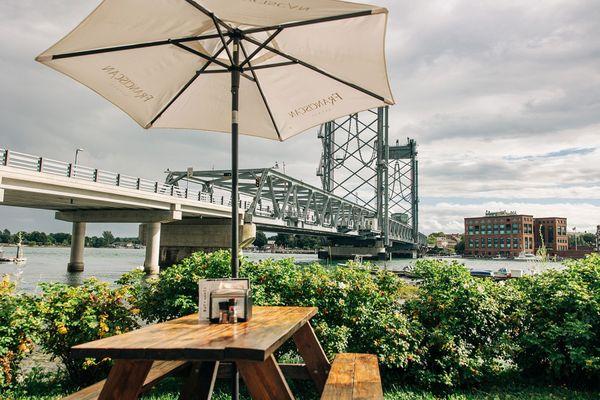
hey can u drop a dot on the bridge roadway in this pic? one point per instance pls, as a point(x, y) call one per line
point(270, 201)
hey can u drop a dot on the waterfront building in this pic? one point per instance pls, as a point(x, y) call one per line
point(505, 234)
point(552, 233)
point(447, 241)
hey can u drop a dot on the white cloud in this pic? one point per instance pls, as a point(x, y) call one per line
point(485, 87)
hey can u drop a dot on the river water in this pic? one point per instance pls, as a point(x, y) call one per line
point(49, 264)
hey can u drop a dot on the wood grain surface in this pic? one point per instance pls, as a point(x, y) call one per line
point(187, 338)
point(353, 377)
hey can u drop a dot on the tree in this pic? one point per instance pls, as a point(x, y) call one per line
point(5, 236)
point(108, 238)
point(36, 237)
point(285, 240)
point(460, 247)
point(61, 238)
point(261, 239)
point(307, 242)
point(431, 239)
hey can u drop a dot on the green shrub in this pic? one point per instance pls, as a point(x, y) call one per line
point(561, 335)
point(74, 315)
point(464, 326)
point(358, 306)
point(454, 330)
point(18, 327)
point(175, 292)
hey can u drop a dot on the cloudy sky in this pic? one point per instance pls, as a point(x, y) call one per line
point(503, 98)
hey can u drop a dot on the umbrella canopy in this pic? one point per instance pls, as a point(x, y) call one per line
point(163, 62)
point(291, 64)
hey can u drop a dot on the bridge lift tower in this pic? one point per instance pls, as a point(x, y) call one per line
point(359, 164)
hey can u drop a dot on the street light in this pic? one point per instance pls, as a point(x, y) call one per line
point(277, 165)
point(77, 155)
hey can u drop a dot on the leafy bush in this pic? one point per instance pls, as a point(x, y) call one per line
point(561, 334)
point(18, 327)
point(464, 326)
point(358, 306)
point(454, 330)
point(74, 315)
point(175, 292)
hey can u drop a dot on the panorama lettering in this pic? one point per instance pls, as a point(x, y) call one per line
point(127, 83)
point(326, 101)
point(280, 4)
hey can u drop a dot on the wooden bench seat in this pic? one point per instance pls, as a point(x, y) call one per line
point(353, 376)
point(159, 370)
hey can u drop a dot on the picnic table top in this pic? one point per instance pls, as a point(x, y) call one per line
point(188, 338)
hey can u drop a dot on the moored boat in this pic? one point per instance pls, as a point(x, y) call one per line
point(527, 257)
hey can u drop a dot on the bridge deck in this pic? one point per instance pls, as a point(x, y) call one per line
point(276, 201)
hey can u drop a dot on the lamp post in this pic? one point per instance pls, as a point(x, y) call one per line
point(77, 155)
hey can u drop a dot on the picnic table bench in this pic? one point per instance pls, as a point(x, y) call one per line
point(205, 351)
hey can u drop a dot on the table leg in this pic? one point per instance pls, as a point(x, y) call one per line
point(264, 380)
point(200, 383)
point(316, 361)
point(125, 380)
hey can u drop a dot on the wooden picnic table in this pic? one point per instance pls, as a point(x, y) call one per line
point(250, 345)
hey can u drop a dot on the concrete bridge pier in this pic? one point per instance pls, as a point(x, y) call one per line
point(152, 230)
point(151, 221)
point(180, 239)
point(77, 246)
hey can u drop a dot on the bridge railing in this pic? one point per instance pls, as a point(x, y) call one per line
point(28, 162)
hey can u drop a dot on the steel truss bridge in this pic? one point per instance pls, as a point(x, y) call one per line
point(369, 187)
point(277, 202)
point(369, 190)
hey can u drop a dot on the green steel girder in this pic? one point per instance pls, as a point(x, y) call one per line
point(279, 202)
point(386, 182)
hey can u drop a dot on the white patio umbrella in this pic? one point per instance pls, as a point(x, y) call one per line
point(275, 67)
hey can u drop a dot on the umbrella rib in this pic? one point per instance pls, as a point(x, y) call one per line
point(259, 48)
point(313, 21)
point(273, 65)
point(216, 23)
point(201, 55)
point(133, 46)
point(184, 88)
point(209, 14)
point(261, 92)
point(319, 70)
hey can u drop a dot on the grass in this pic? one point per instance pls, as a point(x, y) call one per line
point(40, 385)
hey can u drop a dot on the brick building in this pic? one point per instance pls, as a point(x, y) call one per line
point(507, 234)
point(553, 231)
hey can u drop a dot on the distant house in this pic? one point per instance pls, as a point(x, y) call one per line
point(270, 246)
point(447, 242)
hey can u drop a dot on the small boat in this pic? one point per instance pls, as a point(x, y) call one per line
point(486, 273)
point(502, 273)
point(527, 257)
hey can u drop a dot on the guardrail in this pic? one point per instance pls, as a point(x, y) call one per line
point(28, 162)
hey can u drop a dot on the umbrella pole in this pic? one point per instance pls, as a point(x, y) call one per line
point(235, 86)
